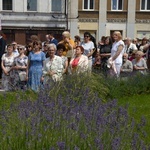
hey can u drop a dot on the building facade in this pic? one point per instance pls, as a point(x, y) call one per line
point(102, 17)
point(21, 19)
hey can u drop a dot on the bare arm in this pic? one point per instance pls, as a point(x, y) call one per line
point(66, 66)
point(106, 54)
point(91, 52)
point(120, 48)
point(145, 47)
point(27, 69)
point(3, 68)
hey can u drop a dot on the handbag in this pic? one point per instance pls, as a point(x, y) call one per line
point(22, 76)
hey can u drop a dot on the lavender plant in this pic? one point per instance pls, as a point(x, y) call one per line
point(69, 115)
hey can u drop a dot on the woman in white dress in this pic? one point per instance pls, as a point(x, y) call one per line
point(53, 67)
point(117, 52)
point(6, 64)
point(88, 46)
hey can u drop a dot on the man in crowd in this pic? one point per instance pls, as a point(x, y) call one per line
point(15, 50)
point(129, 46)
point(127, 66)
point(2, 49)
point(52, 39)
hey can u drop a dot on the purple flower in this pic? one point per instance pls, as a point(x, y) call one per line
point(61, 145)
point(76, 148)
point(115, 143)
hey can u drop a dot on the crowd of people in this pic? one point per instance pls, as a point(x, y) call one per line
point(39, 63)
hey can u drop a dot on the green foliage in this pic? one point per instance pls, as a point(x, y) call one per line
point(128, 86)
point(78, 84)
point(27, 115)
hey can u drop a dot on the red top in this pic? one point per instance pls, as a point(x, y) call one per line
point(75, 62)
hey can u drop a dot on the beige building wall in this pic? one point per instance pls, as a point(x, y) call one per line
point(142, 30)
point(132, 23)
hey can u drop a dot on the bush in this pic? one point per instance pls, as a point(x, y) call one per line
point(132, 85)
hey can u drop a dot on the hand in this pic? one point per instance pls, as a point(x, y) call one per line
point(15, 67)
point(136, 67)
point(42, 79)
point(26, 78)
point(66, 40)
point(6, 72)
point(51, 73)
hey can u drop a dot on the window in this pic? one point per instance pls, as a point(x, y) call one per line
point(32, 5)
point(56, 5)
point(145, 4)
point(117, 4)
point(88, 4)
point(7, 4)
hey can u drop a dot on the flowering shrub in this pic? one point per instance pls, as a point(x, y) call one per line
point(74, 118)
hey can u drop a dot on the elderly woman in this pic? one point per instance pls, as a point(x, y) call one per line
point(53, 67)
point(117, 53)
point(20, 68)
point(6, 64)
point(139, 63)
point(79, 63)
point(35, 64)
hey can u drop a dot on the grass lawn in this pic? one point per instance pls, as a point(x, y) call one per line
point(139, 105)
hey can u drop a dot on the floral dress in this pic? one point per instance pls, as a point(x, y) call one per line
point(20, 61)
point(7, 80)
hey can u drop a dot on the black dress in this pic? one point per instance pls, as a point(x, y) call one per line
point(104, 50)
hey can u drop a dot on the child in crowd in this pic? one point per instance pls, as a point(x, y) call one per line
point(97, 61)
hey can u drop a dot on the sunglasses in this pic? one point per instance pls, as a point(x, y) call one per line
point(20, 48)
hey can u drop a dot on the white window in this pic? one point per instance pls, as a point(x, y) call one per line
point(117, 4)
point(56, 5)
point(88, 4)
point(7, 4)
point(32, 5)
point(145, 4)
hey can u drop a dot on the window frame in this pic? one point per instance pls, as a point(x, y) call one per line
point(88, 9)
point(7, 9)
point(117, 5)
point(145, 8)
